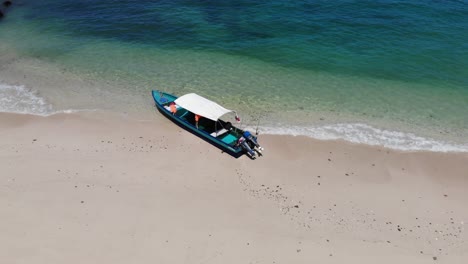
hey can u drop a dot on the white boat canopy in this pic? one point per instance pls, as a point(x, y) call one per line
point(202, 106)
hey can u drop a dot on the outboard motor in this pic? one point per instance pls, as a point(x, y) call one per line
point(245, 146)
point(252, 141)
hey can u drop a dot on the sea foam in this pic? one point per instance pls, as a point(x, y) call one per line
point(366, 134)
point(18, 99)
point(21, 100)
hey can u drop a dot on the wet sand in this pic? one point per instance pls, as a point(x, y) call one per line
point(101, 188)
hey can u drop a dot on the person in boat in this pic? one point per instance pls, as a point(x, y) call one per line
point(228, 126)
point(251, 139)
point(197, 118)
point(173, 108)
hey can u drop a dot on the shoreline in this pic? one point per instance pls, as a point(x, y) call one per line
point(62, 87)
point(64, 93)
point(353, 133)
point(98, 187)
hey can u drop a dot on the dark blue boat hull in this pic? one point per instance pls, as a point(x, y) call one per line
point(233, 151)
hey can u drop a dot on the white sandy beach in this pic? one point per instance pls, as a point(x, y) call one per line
point(100, 188)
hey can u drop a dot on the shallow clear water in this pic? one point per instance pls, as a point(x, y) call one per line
point(362, 71)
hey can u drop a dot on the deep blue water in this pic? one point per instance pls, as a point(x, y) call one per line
point(420, 41)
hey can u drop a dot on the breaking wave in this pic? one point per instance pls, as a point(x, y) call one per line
point(21, 100)
point(366, 134)
point(18, 99)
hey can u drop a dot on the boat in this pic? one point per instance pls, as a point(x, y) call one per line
point(202, 117)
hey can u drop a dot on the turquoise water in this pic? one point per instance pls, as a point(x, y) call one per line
point(393, 73)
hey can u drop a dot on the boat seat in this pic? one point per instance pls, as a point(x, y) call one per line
point(230, 139)
point(183, 115)
point(219, 132)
